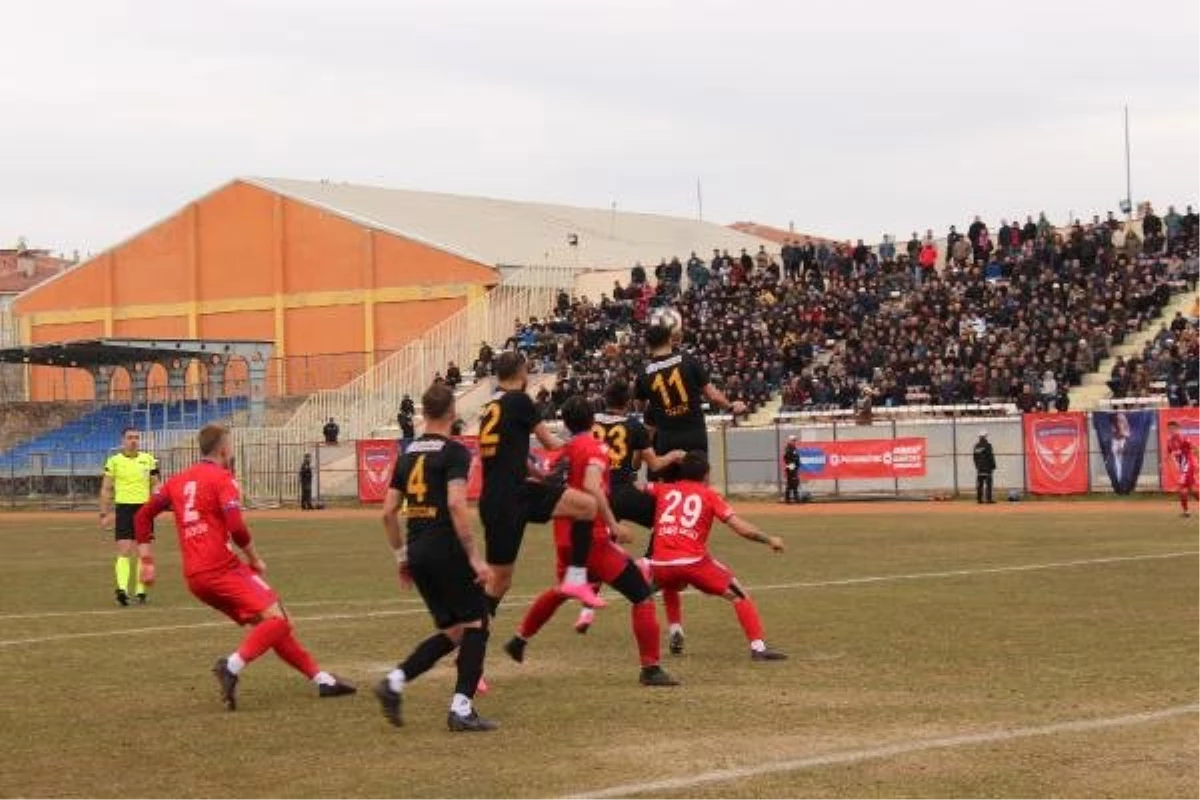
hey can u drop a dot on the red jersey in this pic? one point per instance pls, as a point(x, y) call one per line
point(583, 451)
point(683, 514)
point(1180, 449)
point(208, 516)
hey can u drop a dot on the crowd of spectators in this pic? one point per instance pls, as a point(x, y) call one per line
point(1016, 318)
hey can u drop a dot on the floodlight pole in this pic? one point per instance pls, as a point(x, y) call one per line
point(1128, 172)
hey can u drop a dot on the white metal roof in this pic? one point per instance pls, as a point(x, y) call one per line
point(508, 232)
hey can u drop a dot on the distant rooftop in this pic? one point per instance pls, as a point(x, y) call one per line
point(778, 235)
point(24, 268)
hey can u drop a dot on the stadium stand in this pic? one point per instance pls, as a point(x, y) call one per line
point(1011, 324)
point(85, 442)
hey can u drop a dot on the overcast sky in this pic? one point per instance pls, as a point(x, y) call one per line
point(846, 118)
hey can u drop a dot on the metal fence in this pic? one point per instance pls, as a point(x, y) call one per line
point(745, 461)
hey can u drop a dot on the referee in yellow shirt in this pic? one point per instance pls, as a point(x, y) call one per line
point(130, 477)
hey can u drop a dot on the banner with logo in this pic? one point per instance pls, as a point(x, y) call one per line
point(1056, 453)
point(1189, 428)
point(1122, 436)
point(863, 459)
point(376, 460)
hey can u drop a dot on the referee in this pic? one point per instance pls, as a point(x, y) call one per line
point(130, 477)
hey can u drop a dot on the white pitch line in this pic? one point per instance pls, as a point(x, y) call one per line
point(150, 609)
point(62, 637)
point(955, 573)
point(656, 788)
point(525, 598)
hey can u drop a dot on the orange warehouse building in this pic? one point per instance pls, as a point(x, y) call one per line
point(333, 293)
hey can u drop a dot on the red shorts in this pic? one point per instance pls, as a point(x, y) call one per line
point(605, 561)
point(708, 575)
point(239, 592)
point(1187, 480)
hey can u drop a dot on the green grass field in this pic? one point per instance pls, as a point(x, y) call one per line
point(912, 629)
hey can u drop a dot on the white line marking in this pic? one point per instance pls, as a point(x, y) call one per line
point(62, 637)
point(656, 788)
point(149, 609)
point(525, 598)
point(954, 573)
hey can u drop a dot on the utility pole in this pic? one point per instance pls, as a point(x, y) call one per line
point(1128, 172)
point(699, 201)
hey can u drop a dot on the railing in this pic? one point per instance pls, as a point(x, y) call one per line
point(371, 401)
point(373, 398)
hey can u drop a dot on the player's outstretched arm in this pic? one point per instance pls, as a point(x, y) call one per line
point(460, 516)
point(749, 531)
point(718, 399)
point(593, 484)
point(657, 463)
point(391, 524)
point(106, 496)
point(143, 532)
point(546, 437)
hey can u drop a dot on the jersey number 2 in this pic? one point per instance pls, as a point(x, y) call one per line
point(189, 503)
point(487, 429)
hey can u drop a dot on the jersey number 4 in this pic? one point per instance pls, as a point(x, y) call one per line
point(691, 506)
point(663, 387)
point(416, 487)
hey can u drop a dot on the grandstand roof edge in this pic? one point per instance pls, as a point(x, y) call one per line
point(267, 184)
point(122, 242)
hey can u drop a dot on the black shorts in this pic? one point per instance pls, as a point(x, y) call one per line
point(123, 514)
point(506, 511)
point(630, 503)
point(666, 440)
point(444, 578)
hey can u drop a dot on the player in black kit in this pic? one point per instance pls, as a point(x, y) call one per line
point(672, 387)
point(515, 492)
point(441, 559)
point(629, 447)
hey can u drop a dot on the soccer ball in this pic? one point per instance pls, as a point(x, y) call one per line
point(668, 318)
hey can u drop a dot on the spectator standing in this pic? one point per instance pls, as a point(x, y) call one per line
point(985, 468)
point(331, 431)
point(453, 376)
point(791, 471)
point(306, 483)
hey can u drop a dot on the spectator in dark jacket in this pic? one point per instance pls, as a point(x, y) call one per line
point(331, 431)
point(985, 468)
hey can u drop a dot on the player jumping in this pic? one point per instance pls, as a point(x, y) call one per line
point(680, 557)
point(672, 386)
point(1180, 449)
point(208, 516)
point(588, 468)
point(440, 558)
point(510, 500)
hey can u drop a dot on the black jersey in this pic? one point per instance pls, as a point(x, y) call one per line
point(625, 437)
point(673, 385)
point(423, 475)
point(506, 423)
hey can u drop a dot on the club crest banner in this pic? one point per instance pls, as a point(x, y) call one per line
point(1056, 453)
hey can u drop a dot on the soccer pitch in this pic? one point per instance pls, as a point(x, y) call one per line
point(936, 650)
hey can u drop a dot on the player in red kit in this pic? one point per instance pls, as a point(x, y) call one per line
point(206, 502)
point(587, 462)
point(1184, 454)
point(679, 555)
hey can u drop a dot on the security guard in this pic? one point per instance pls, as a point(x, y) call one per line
point(791, 466)
point(985, 467)
point(130, 477)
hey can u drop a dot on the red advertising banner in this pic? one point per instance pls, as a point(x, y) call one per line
point(866, 458)
point(1056, 453)
point(1189, 428)
point(475, 476)
point(376, 459)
